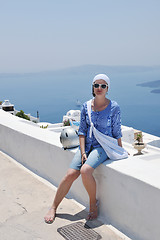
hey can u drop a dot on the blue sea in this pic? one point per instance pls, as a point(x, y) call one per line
point(53, 93)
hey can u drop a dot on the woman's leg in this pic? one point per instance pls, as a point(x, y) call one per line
point(72, 174)
point(62, 190)
point(90, 186)
point(95, 158)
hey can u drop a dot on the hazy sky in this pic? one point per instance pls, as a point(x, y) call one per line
point(37, 35)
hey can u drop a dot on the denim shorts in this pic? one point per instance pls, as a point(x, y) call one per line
point(94, 158)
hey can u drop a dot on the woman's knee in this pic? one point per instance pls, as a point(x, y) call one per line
point(86, 170)
point(72, 175)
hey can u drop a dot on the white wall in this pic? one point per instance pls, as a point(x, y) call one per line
point(129, 197)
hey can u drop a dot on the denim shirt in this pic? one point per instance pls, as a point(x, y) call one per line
point(107, 121)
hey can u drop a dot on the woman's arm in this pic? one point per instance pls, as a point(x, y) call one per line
point(82, 148)
point(119, 142)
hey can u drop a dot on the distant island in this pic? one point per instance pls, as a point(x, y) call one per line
point(151, 84)
point(155, 91)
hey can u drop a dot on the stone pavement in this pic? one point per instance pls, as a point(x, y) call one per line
point(25, 199)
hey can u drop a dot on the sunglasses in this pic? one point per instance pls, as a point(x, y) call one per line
point(97, 85)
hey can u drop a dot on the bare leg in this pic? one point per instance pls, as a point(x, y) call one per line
point(90, 186)
point(62, 190)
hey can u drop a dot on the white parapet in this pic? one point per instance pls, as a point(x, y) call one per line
point(128, 190)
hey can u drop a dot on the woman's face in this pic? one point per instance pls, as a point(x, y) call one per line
point(100, 90)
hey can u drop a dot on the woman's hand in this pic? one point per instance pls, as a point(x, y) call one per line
point(82, 147)
point(83, 157)
point(120, 144)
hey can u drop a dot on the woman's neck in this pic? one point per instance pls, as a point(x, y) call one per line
point(100, 104)
point(100, 101)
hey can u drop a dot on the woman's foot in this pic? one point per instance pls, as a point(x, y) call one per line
point(93, 213)
point(50, 216)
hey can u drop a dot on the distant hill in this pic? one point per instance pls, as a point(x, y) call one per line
point(90, 69)
point(95, 69)
point(155, 91)
point(151, 84)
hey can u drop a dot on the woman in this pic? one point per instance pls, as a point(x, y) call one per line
point(105, 115)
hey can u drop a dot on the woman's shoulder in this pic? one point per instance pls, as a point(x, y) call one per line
point(84, 105)
point(114, 106)
point(114, 103)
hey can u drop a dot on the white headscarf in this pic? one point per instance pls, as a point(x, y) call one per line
point(103, 77)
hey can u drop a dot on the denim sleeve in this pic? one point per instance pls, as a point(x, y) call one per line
point(83, 123)
point(116, 123)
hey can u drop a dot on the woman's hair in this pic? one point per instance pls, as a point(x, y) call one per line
point(93, 91)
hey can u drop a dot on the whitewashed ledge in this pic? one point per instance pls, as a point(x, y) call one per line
point(128, 190)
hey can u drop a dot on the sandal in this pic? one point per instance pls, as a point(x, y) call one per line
point(94, 214)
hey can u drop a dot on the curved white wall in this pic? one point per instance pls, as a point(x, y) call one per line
point(128, 190)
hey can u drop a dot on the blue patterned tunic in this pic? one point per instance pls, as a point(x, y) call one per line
point(107, 121)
